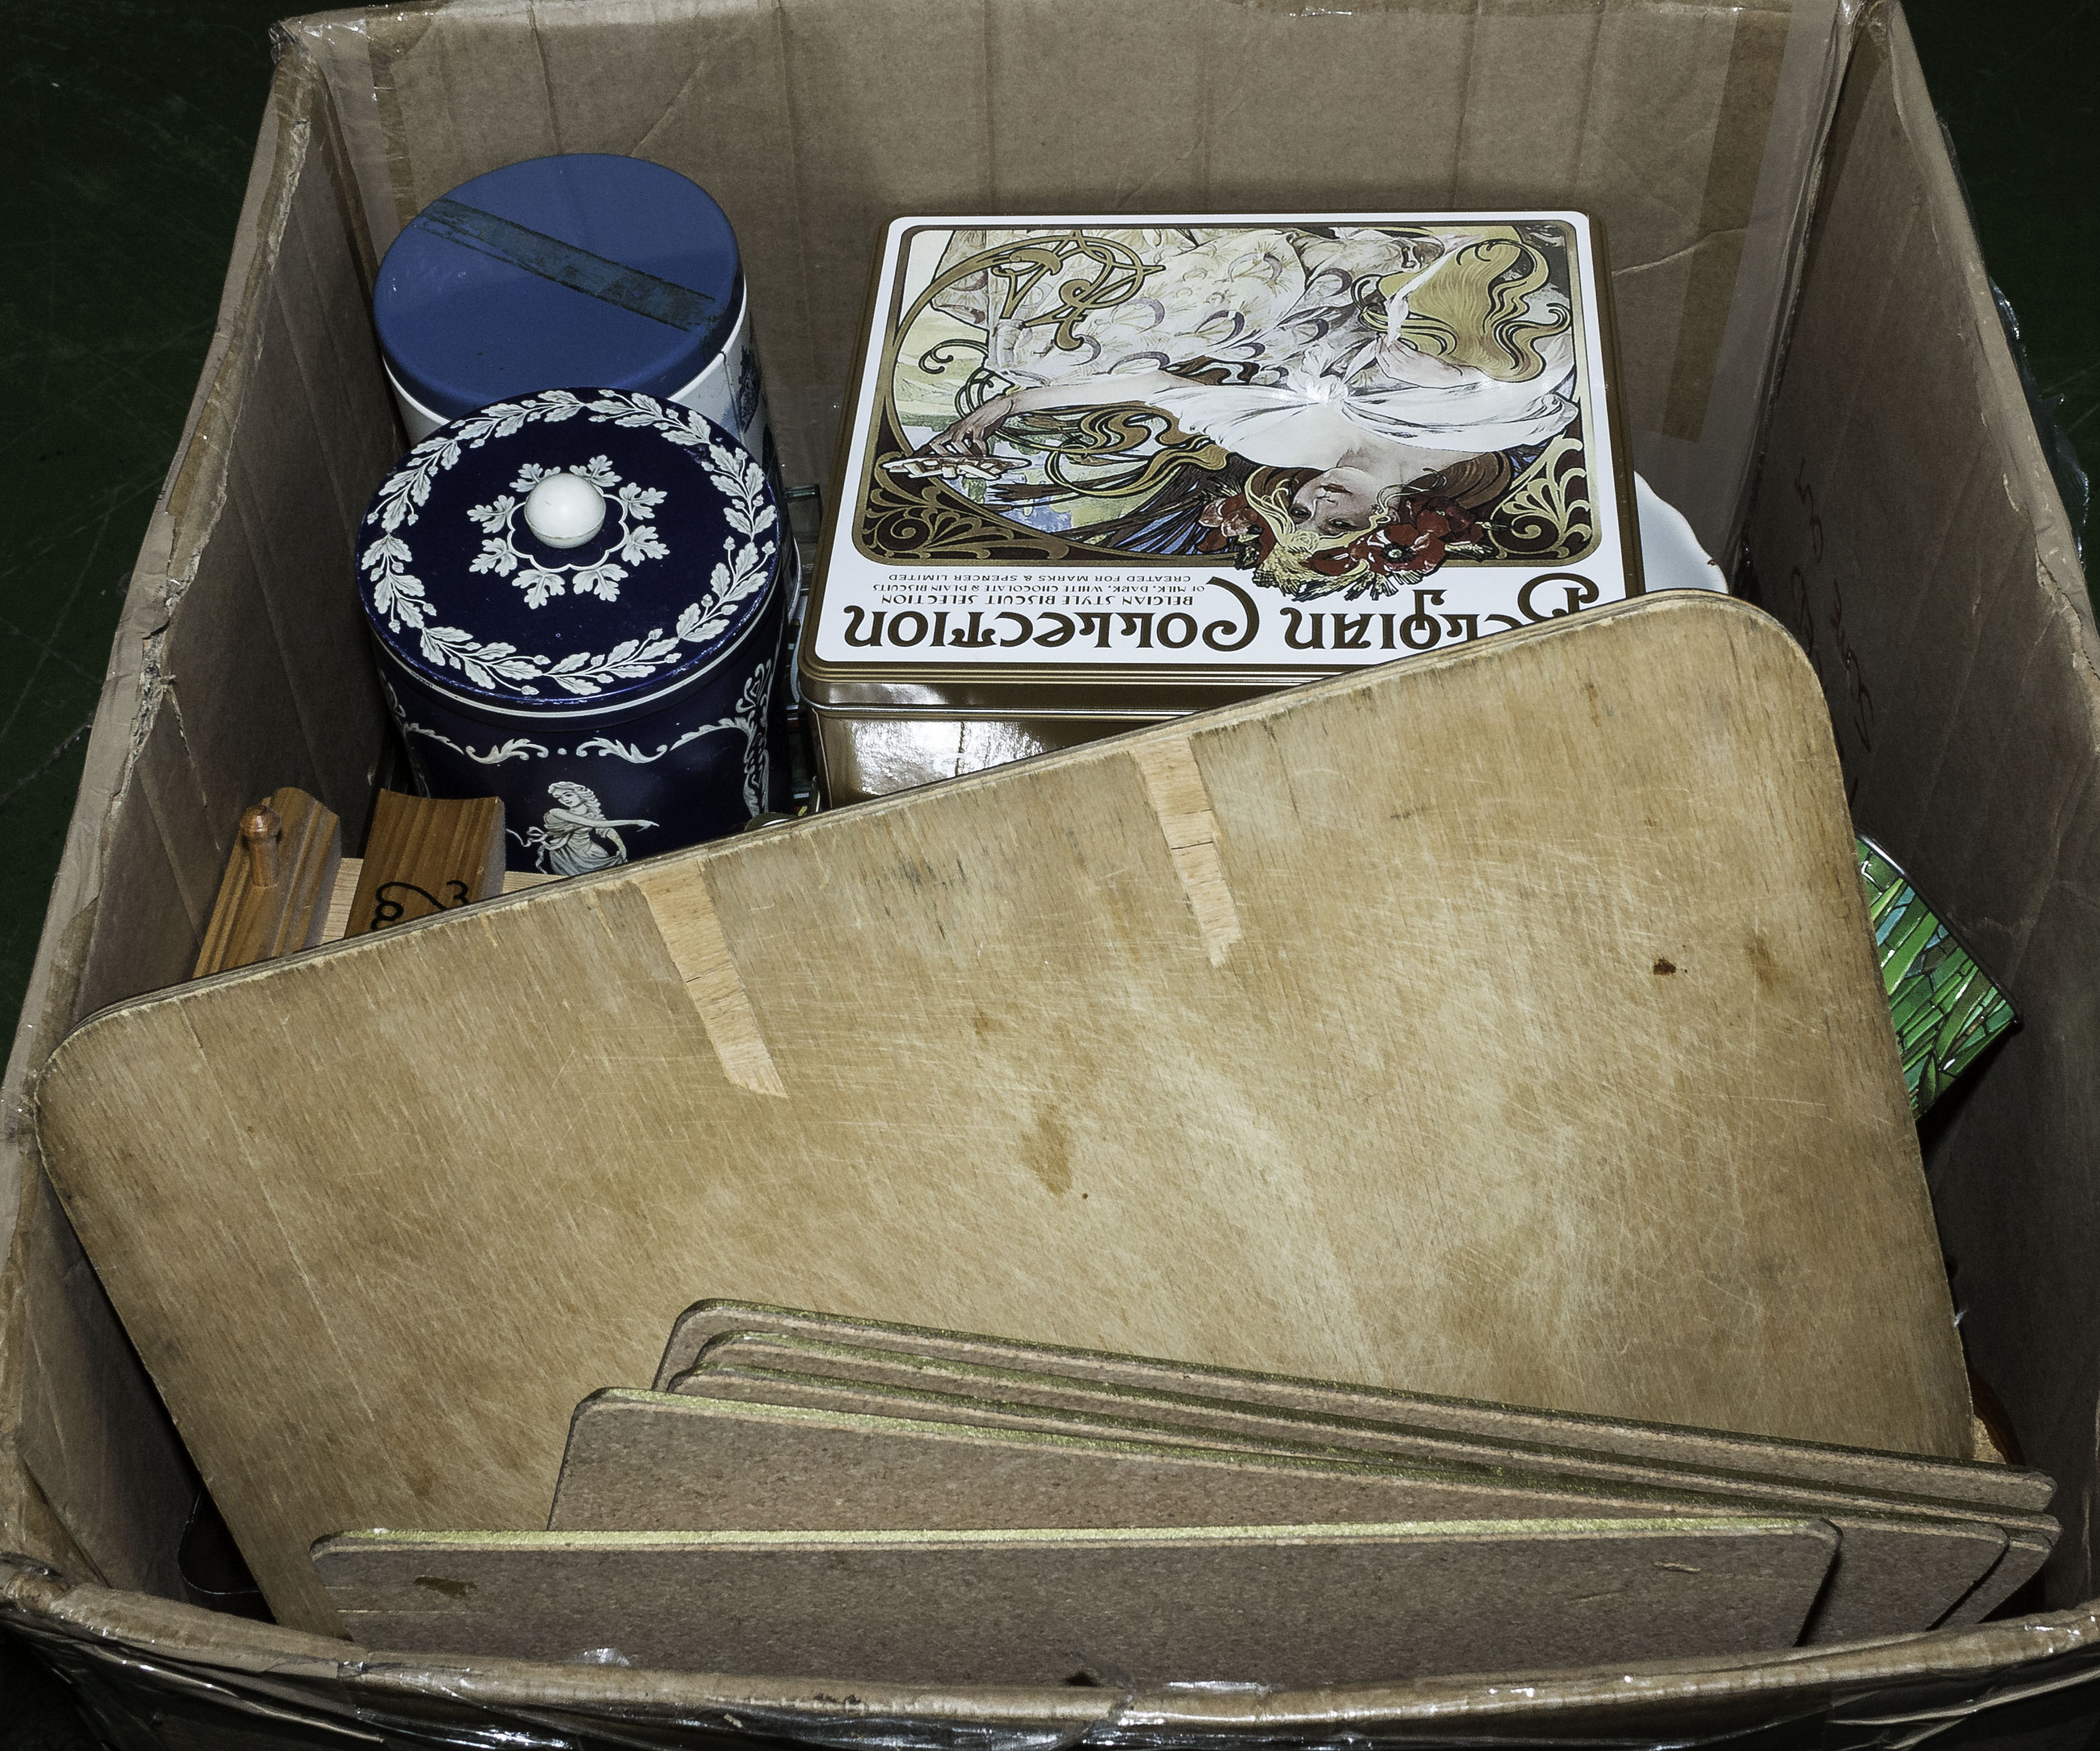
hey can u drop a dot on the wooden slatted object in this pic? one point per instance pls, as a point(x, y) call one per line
point(378, 1216)
point(280, 874)
point(427, 855)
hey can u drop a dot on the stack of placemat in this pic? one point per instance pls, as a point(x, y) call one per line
point(804, 1492)
point(1507, 1025)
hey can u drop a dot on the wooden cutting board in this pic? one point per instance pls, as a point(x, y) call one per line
point(1502, 1023)
point(1284, 1605)
point(661, 1461)
point(715, 1334)
point(1903, 1565)
point(643, 1461)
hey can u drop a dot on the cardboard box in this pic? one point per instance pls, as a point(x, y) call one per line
point(1771, 175)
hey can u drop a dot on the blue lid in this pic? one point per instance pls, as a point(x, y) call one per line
point(473, 584)
point(581, 268)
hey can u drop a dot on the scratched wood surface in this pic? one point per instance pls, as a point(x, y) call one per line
point(1539, 1056)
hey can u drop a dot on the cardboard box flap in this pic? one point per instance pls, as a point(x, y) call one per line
point(149, 1664)
point(138, 849)
point(1690, 130)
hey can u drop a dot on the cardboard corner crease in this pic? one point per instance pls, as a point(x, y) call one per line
point(1956, 654)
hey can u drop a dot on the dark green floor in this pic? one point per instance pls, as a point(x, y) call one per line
point(2017, 84)
point(128, 127)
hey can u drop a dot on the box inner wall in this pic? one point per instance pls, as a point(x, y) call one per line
point(1657, 122)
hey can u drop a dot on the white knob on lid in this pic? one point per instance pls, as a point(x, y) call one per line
point(565, 510)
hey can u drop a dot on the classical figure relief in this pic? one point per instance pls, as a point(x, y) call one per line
point(573, 837)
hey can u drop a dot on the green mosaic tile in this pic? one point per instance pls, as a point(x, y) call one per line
point(1945, 1008)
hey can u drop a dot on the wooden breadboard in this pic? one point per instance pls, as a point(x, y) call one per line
point(1905, 1563)
point(1533, 1051)
point(1290, 1605)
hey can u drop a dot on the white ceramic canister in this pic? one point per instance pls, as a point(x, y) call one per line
point(583, 267)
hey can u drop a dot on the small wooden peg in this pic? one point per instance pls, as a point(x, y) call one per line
point(279, 873)
point(261, 829)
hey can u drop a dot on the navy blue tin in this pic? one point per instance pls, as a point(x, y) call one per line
point(584, 267)
point(577, 598)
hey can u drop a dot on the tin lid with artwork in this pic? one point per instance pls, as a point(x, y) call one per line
point(576, 554)
point(1153, 464)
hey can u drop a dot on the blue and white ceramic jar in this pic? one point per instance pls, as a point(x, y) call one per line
point(584, 267)
point(577, 596)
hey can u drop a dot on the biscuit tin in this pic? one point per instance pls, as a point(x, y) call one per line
point(1102, 471)
point(577, 596)
point(583, 267)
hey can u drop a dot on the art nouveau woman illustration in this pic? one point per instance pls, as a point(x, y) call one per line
point(1334, 407)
